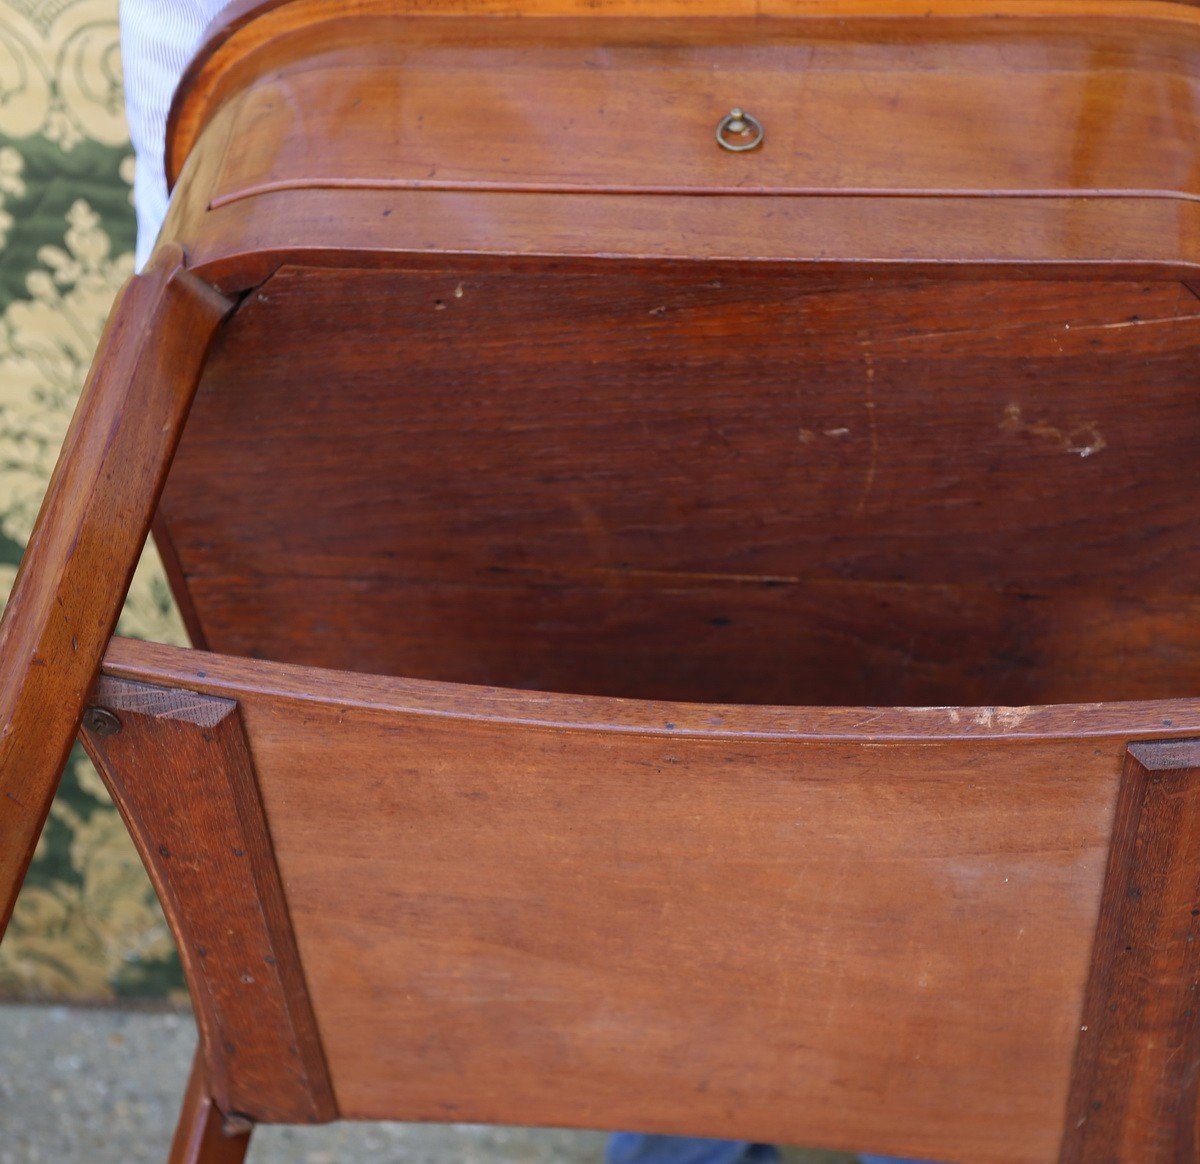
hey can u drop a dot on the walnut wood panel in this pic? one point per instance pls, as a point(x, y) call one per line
point(195, 670)
point(255, 39)
point(1134, 1095)
point(243, 243)
point(771, 923)
point(848, 106)
point(174, 572)
point(766, 642)
point(1034, 135)
point(708, 484)
point(180, 773)
point(88, 535)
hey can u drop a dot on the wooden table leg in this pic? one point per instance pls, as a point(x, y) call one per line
point(88, 536)
point(203, 1135)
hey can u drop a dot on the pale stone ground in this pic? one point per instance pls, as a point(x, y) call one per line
point(103, 1087)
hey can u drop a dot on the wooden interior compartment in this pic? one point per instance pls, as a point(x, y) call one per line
point(818, 926)
point(695, 481)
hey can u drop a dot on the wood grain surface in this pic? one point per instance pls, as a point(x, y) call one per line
point(1050, 136)
point(722, 484)
point(848, 107)
point(200, 1136)
point(179, 771)
point(89, 533)
point(1134, 1093)
point(249, 29)
point(776, 923)
point(535, 387)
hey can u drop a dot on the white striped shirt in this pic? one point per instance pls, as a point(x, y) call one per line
point(158, 39)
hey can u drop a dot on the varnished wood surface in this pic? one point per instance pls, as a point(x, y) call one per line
point(714, 484)
point(1026, 134)
point(179, 771)
point(964, 109)
point(200, 1136)
point(1134, 1095)
point(515, 907)
point(895, 417)
point(245, 29)
point(244, 243)
point(226, 677)
point(89, 533)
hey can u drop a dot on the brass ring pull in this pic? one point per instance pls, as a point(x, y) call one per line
point(738, 131)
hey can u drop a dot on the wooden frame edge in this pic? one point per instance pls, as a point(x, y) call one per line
point(1134, 1086)
point(179, 768)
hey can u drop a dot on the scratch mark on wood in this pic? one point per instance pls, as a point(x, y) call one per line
point(1083, 439)
point(873, 437)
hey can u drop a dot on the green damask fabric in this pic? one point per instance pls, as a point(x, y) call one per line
point(87, 925)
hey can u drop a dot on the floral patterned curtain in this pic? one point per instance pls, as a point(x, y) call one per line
point(87, 925)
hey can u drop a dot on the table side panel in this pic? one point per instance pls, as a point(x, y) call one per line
point(843, 944)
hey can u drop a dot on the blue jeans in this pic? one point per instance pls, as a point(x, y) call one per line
point(632, 1148)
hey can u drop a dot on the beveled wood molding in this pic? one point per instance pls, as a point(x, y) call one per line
point(1134, 1088)
point(222, 676)
point(179, 769)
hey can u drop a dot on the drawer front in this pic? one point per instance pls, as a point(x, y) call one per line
point(950, 105)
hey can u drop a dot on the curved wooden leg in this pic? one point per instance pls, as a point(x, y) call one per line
point(203, 1135)
point(90, 530)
